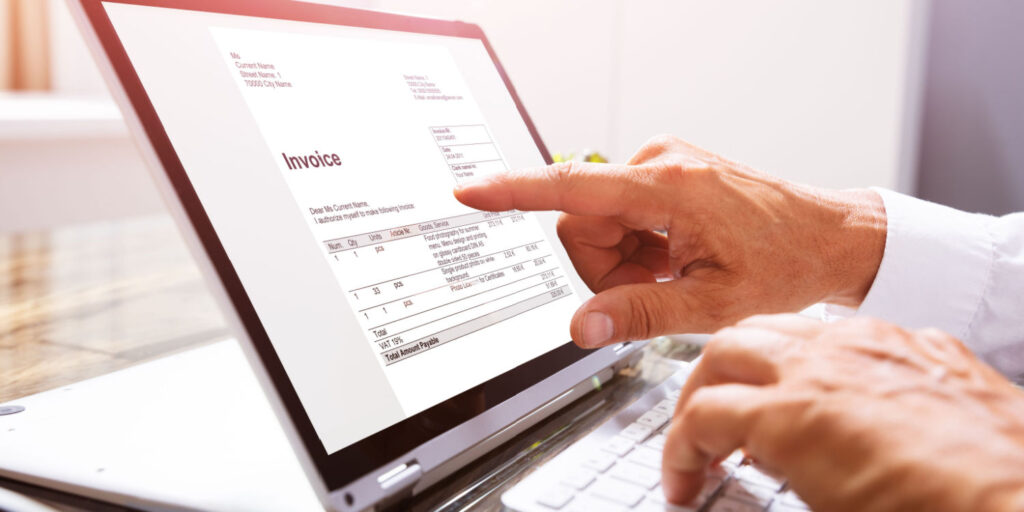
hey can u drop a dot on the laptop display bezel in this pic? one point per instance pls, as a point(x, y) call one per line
point(346, 465)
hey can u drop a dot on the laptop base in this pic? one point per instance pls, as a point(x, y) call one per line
point(171, 434)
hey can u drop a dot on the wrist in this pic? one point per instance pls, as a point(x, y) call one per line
point(854, 235)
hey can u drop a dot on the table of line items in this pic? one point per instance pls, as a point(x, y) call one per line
point(479, 269)
point(460, 274)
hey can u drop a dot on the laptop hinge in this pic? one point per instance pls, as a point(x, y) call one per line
point(397, 483)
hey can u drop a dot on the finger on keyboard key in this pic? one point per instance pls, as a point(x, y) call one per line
point(710, 486)
point(732, 505)
point(579, 479)
point(637, 432)
point(635, 474)
point(600, 461)
point(556, 497)
point(645, 457)
point(653, 419)
point(617, 492)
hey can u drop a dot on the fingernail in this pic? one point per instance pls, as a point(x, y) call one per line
point(597, 329)
point(474, 182)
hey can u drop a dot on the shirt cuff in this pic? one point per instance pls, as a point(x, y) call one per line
point(935, 268)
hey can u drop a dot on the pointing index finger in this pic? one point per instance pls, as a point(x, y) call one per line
point(573, 187)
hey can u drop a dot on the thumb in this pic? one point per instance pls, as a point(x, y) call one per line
point(634, 312)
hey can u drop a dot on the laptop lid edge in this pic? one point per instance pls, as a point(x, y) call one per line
point(185, 228)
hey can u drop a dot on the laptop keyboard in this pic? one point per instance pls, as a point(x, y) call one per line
point(624, 473)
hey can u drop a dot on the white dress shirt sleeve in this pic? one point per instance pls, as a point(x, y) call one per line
point(960, 272)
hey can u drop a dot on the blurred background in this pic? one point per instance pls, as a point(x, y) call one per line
point(919, 96)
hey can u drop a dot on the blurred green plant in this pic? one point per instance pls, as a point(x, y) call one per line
point(583, 156)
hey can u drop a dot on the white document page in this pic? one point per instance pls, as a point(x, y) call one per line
point(371, 136)
point(324, 157)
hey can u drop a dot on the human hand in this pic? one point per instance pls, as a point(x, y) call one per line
point(739, 241)
point(858, 415)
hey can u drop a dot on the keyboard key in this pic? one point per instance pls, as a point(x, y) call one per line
point(579, 479)
point(658, 495)
point(618, 446)
point(735, 458)
point(653, 419)
point(600, 462)
point(645, 457)
point(635, 474)
point(674, 395)
point(617, 492)
point(556, 497)
point(666, 407)
point(790, 499)
point(588, 504)
point(657, 442)
point(752, 475)
point(650, 505)
point(752, 493)
point(732, 505)
point(637, 432)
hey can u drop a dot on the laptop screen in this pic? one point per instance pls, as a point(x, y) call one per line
point(324, 157)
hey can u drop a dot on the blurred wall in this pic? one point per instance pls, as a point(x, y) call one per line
point(817, 92)
point(972, 136)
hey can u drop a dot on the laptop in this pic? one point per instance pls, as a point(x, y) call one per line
point(308, 154)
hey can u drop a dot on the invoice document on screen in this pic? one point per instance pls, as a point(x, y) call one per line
point(371, 136)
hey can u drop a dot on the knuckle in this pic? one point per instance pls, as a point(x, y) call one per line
point(863, 322)
point(704, 173)
point(561, 172)
point(662, 172)
point(942, 339)
point(869, 328)
point(935, 333)
point(660, 142)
